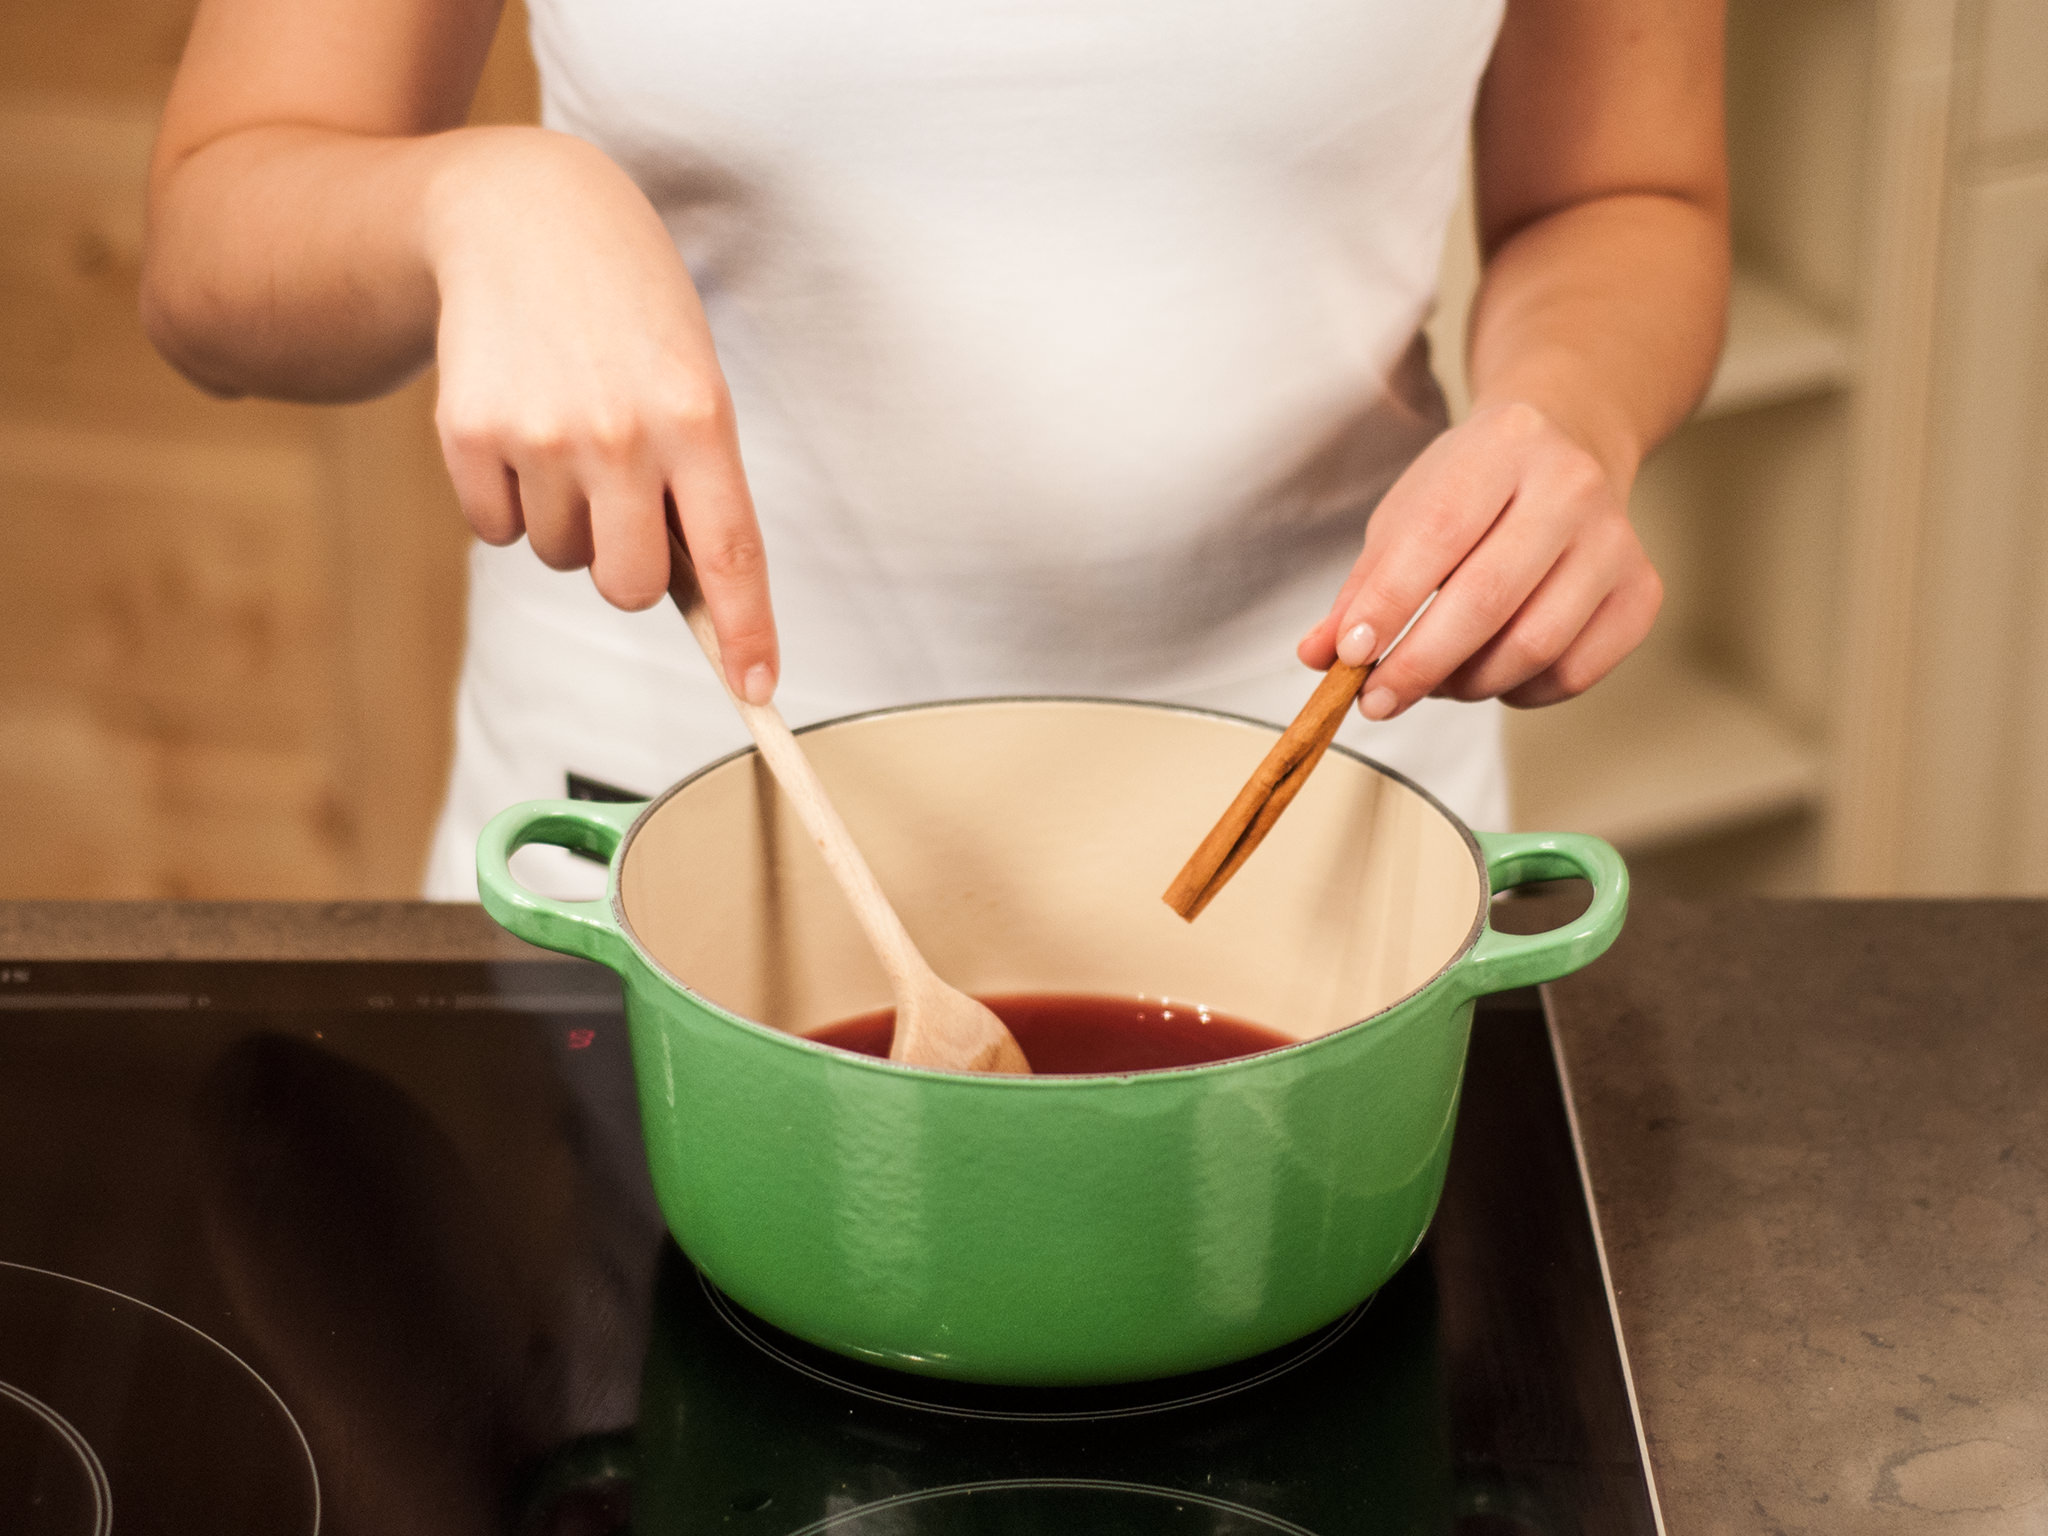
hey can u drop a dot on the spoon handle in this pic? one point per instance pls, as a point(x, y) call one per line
point(785, 757)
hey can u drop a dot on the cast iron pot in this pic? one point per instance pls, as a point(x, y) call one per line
point(1049, 1230)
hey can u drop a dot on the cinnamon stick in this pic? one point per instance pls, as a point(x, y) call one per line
point(1275, 782)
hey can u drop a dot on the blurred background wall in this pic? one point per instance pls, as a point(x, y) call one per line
point(228, 632)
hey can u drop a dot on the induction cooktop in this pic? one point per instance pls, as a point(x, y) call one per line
point(289, 1248)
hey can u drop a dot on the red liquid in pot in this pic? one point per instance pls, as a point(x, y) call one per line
point(1069, 1033)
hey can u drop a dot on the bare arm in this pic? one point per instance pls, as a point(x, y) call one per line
point(320, 228)
point(1602, 199)
point(1603, 210)
point(290, 188)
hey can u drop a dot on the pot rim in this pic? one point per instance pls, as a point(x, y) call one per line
point(616, 903)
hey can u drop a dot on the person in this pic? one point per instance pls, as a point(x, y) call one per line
point(1031, 348)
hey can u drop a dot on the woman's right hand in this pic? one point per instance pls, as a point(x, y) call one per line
point(321, 226)
point(579, 386)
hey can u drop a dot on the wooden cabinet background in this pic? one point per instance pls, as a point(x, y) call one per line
point(228, 631)
point(1975, 792)
point(1848, 688)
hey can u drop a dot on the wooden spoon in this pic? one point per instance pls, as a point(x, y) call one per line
point(936, 1025)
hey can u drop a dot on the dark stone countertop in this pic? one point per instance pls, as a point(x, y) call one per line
point(1818, 1136)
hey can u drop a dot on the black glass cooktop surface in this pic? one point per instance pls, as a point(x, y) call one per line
point(364, 1248)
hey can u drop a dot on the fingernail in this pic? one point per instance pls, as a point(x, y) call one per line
point(759, 686)
point(1354, 646)
point(1377, 704)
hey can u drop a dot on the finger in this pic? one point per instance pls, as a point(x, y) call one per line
point(1431, 520)
point(1617, 627)
point(556, 511)
point(724, 541)
point(629, 543)
point(1477, 600)
point(1318, 648)
point(1438, 509)
point(1545, 625)
point(485, 487)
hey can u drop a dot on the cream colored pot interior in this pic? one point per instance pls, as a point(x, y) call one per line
point(1026, 845)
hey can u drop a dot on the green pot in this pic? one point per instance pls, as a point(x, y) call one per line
point(1049, 1230)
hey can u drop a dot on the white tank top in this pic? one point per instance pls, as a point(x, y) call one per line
point(1070, 345)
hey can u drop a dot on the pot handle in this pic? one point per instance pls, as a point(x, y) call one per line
point(583, 928)
point(1500, 961)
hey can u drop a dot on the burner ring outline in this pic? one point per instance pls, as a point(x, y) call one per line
point(79, 1446)
point(742, 1324)
point(1085, 1484)
point(312, 1468)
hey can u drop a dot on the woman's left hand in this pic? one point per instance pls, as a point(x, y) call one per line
point(1542, 586)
